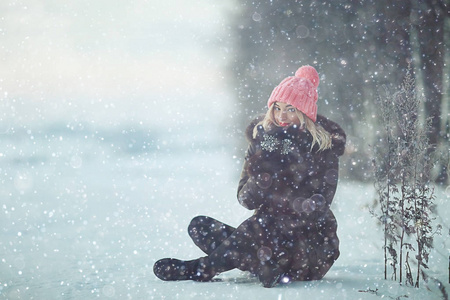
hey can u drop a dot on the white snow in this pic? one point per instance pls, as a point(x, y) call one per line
point(85, 215)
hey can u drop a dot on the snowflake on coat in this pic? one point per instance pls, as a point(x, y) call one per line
point(286, 146)
point(269, 143)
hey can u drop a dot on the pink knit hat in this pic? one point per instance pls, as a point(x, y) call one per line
point(299, 91)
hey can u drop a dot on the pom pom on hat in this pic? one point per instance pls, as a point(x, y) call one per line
point(310, 73)
point(299, 91)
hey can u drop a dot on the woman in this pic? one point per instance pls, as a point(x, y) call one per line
point(289, 179)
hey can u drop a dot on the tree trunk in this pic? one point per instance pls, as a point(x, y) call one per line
point(430, 32)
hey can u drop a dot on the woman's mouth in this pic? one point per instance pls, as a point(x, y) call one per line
point(283, 124)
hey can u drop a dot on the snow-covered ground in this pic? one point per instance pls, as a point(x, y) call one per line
point(85, 213)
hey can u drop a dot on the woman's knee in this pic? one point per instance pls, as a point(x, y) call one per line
point(196, 222)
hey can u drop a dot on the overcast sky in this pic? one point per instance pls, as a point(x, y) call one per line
point(128, 61)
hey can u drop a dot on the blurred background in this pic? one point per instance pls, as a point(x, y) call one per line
point(104, 64)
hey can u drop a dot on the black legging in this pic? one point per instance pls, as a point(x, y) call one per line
point(253, 246)
point(208, 233)
point(301, 248)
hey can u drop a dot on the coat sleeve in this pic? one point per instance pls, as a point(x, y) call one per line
point(249, 194)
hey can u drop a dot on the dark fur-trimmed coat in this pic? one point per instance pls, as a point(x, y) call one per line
point(291, 186)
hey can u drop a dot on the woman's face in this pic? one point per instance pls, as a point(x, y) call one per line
point(285, 114)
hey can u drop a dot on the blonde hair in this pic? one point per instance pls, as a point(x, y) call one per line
point(320, 136)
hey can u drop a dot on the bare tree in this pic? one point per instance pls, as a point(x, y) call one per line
point(405, 193)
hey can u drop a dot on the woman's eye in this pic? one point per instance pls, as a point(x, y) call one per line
point(291, 109)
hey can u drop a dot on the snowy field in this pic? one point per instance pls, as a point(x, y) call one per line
point(86, 213)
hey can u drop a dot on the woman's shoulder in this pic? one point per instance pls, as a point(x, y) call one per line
point(337, 133)
point(251, 126)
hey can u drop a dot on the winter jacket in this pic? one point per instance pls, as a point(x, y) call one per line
point(290, 187)
point(316, 174)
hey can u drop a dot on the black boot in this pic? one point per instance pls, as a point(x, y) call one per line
point(270, 274)
point(171, 269)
